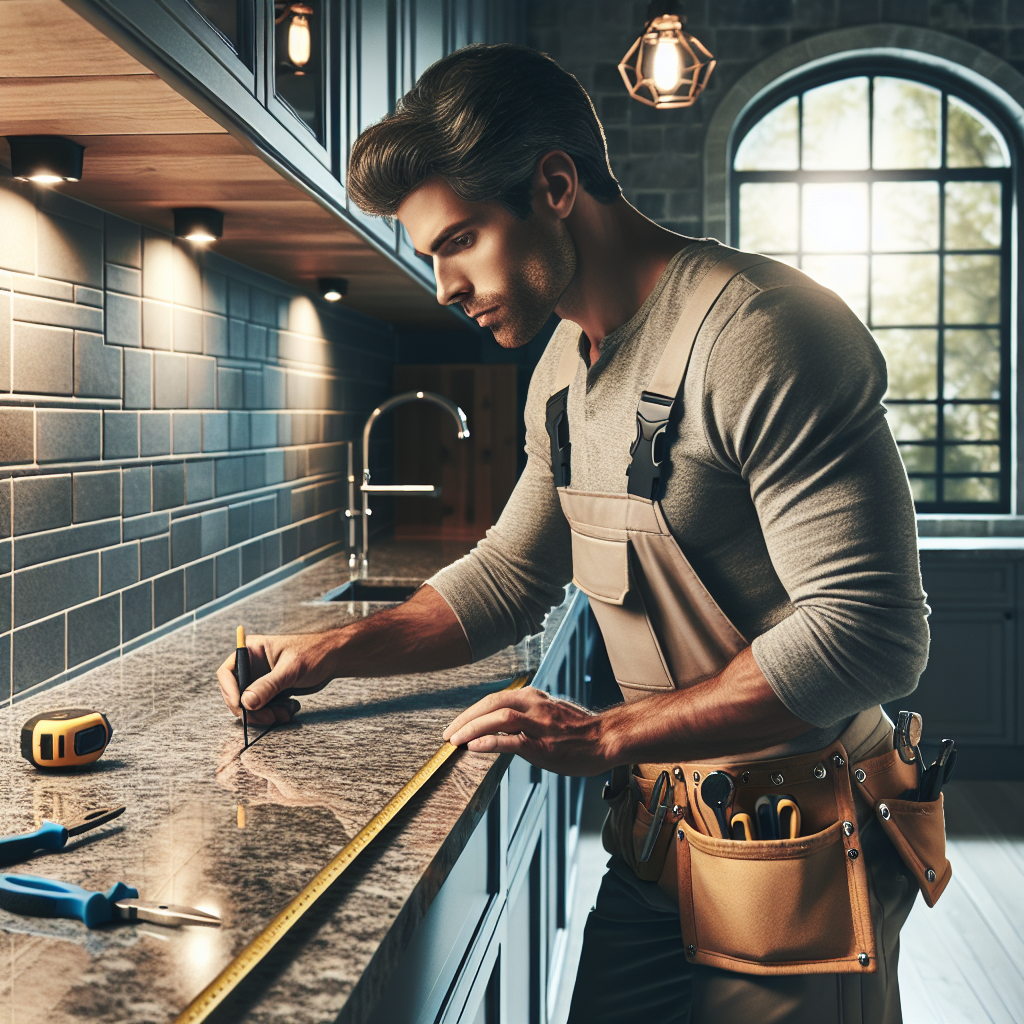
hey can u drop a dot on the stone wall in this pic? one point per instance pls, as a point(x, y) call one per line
point(171, 431)
point(657, 154)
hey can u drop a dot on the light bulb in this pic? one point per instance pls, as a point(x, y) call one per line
point(299, 46)
point(333, 295)
point(666, 66)
point(201, 236)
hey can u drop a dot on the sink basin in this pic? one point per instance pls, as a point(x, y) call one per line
point(391, 589)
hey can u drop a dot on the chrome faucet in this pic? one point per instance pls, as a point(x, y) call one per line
point(397, 490)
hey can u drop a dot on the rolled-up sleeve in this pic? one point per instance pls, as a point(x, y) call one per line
point(805, 427)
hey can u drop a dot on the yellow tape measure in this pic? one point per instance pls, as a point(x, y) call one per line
point(225, 983)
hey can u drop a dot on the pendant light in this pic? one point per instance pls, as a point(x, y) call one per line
point(666, 68)
point(300, 40)
point(45, 159)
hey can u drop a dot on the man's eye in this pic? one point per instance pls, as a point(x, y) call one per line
point(462, 240)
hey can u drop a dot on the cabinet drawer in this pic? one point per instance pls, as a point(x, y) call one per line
point(989, 584)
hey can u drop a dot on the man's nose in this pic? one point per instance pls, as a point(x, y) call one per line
point(452, 286)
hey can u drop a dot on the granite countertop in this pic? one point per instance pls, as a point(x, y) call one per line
point(175, 761)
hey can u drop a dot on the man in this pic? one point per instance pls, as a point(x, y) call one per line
point(779, 480)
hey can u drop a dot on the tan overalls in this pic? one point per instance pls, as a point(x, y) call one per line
point(664, 631)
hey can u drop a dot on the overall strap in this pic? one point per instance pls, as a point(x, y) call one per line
point(557, 418)
point(658, 402)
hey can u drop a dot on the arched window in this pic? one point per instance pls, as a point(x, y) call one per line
point(896, 192)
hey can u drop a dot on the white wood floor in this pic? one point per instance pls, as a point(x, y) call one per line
point(962, 962)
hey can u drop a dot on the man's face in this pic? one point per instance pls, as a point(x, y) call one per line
point(506, 273)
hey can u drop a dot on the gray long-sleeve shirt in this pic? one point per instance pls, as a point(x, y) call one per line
point(786, 491)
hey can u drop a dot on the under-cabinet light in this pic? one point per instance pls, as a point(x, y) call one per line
point(198, 223)
point(45, 159)
point(333, 289)
point(299, 42)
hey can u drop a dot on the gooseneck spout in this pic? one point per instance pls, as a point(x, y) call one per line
point(396, 490)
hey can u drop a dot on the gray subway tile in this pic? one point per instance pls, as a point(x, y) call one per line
point(215, 432)
point(230, 476)
point(18, 216)
point(188, 284)
point(202, 382)
point(215, 335)
point(69, 250)
point(199, 484)
point(136, 485)
point(38, 652)
point(97, 367)
point(31, 285)
point(45, 589)
point(263, 307)
point(138, 379)
point(253, 389)
point(228, 572)
point(170, 376)
point(188, 330)
point(264, 515)
point(154, 556)
point(289, 545)
point(185, 540)
point(284, 507)
point(229, 388)
point(124, 320)
point(6, 547)
point(71, 540)
point(252, 561)
point(213, 531)
point(17, 435)
point(303, 503)
point(5, 600)
point(273, 387)
point(256, 342)
point(5, 508)
point(68, 435)
point(215, 292)
point(272, 336)
point(168, 486)
point(238, 430)
point(263, 429)
point(44, 360)
point(239, 522)
point(5, 660)
point(5, 343)
point(284, 429)
point(96, 496)
point(238, 299)
point(272, 552)
point(120, 435)
point(94, 629)
point(136, 611)
point(124, 241)
point(187, 432)
point(146, 525)
point(155, 433)
point(52, 202)
point(89, 296)
point(34, 310)
point(168, 597)
point(41, 503)
point(156, 325)
point(119, 568)
point(198, 584)
point(157, 272)
point(126, 280)
point(236, 339)
point(255, 472)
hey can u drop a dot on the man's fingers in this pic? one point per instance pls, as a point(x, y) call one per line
point(263, 690)
point(277, 711)
point(519, 700)
point(507, 720)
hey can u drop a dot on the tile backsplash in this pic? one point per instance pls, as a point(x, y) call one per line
point(172, 429)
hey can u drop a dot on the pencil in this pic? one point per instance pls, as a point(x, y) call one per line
point(243, 673)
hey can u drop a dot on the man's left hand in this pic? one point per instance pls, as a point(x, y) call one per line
point(548, 732)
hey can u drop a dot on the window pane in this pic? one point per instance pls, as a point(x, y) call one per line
point(772, 144)
point(768, 217)
point(835, 129)
point(972, 489)
point(971, 364)
point(912, 422)
point(912, 360)
point(789, 259)
point(974, 214)
point(904, 216)
point(918, 458)
point(922, 490)
point(971, 139)
point(847, 276)
point(971, 422)
point(904, 290)
point(972, 289)
point(908, 124)
point(835, 218)
point(971, 458)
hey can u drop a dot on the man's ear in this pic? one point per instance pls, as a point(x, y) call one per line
point(555, 184)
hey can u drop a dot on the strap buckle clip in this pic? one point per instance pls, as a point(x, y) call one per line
point(647, 452)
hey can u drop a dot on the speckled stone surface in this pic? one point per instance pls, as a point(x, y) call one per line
point(305, 789)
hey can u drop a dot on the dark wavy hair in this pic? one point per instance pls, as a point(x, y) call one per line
point(480, 119)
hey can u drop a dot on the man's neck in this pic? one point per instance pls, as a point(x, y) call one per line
point(620, 256)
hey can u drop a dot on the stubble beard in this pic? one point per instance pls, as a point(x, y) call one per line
point(538, 282)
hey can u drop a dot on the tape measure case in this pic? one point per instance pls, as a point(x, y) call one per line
point(65, 738)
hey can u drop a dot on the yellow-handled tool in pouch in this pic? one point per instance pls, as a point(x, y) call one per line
point(65, 738)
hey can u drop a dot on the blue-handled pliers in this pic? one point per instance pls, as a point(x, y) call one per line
point(51, 835)
point(44, 897)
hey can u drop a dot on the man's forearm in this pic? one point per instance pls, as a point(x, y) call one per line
point(732, 713)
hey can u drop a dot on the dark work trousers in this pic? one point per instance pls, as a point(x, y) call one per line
point(632, 967)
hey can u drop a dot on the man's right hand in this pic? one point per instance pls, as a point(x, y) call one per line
point(282, 666)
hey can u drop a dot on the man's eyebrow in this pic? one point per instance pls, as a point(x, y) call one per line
point(446, 234)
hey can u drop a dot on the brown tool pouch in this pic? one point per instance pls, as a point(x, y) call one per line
point(629, 824)
point(917, 830)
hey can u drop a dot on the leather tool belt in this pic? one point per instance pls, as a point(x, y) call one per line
point(785, 906)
